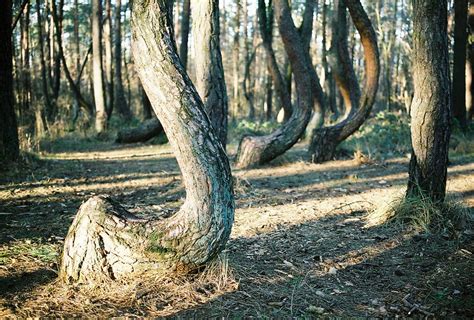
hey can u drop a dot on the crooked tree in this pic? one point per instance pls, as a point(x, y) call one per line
point(430, 112)
point(325, 140)
point(105, 242)
point(256, 150)
point(210, 81)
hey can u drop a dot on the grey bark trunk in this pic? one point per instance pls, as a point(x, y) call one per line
point(105, 242)
point(109, 71)
point(210, 81)
point(185, 21)
point(97, 68)
point(120, 102)
point(430, 112)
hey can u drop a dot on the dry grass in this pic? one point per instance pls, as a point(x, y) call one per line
point(151, 295)
point(423, 214)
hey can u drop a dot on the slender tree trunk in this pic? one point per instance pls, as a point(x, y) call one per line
point(325, 140)
point(185, 21)
point(258, 150)
point(44, 80)
point(430, 113)
point(55, 58)
point(25, 79)
point(77, 60)
point(268, 97)
point(459, 62)
point(470, 65)
point(236, 62)
point(109, 70)
point(9, 147)
point(105, 242)
point(120, 102)
point(97, 68)
point(210, 80)
point(266, 30)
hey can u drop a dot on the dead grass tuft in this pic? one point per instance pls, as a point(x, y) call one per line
point(147, 295)
point(423, 214)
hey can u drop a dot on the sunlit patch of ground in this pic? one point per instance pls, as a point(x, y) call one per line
point(299, 247)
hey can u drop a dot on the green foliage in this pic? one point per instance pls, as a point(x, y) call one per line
point(44, 252)
point(385, 135)
point(246, 127)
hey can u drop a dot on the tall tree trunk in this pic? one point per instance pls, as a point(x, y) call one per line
point(246, 88)
point(470, 65)
point(44, 79)
point(9, 147)
point(120, 102)
point(459, 62)
point(325, 140)
point(258, 150)
point(210, 80)
point(55, 58)
point(266, 30)
point(97, 68)
point(185, 18)
point(25, 78)
point(430, 113)
point(236, 62)
point(105, 242)
point(77, 60)
point(109, 70)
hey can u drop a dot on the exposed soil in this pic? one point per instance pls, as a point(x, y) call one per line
point(300, 244)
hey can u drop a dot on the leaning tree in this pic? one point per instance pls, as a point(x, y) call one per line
point(106, 242)
point(256, 150)
point(325, 140)
point(430, 112)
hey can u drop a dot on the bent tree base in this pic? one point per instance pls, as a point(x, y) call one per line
point(105, 242)
point(148, 130)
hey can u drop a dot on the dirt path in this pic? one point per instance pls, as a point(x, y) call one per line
point(300, 245)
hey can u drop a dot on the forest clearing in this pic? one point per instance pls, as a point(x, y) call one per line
point(300, 245)
point(237, 159)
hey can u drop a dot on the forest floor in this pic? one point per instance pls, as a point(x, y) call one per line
point(300, 246)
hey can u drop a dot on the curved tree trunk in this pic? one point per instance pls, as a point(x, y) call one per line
point(210, 81)
point(148, 130)
point(105, 242)
point(325, 140)
point(265, 19)
point(430, 113)
point(258, 150)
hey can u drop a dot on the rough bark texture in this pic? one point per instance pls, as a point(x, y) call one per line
point(9, 149)
point(105, 242)
point(149, 129)
point(109, 71)
point(185, 18)
point(325, 140)
point(97, 68)
point(210, 81)
point(459, 62)
point(430, 113)
point(258, 150)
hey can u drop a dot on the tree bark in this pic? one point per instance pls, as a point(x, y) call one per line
point(259, 150)
point(459, 62)
point(266, 29)
point(430, 113)
point(325, 140)
point(185, 18)
point(210, 81)
point(105, 242)
point(120, 102)
point(97, 68)
point(236, 62)
point(148, 130)
point(9, 146)
point(109, 70)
